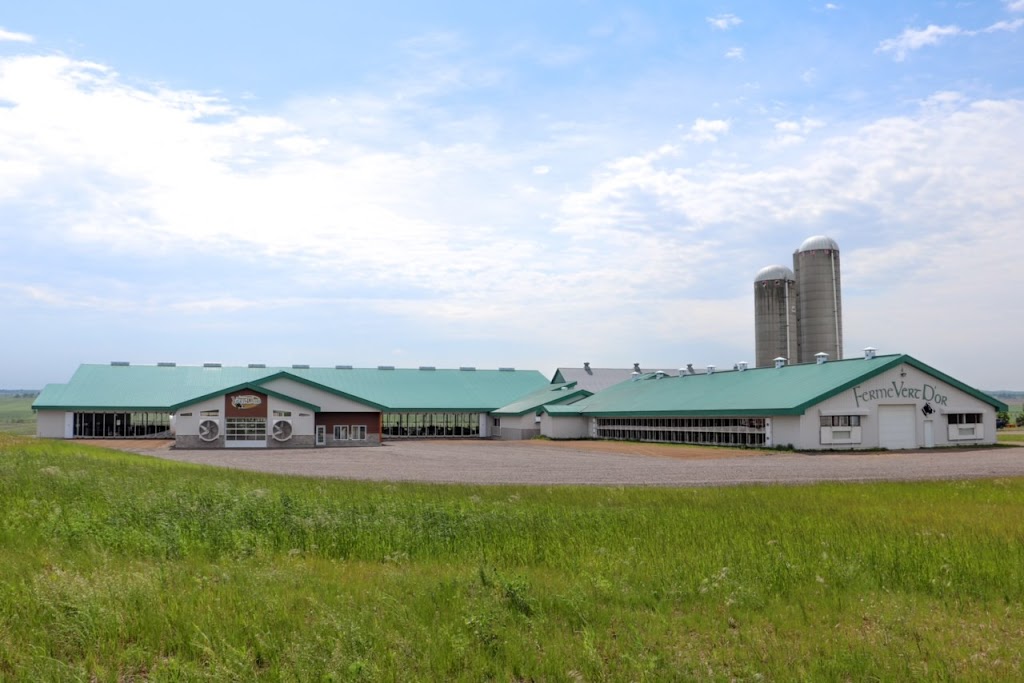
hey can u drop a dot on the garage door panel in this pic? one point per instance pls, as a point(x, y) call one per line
point(897, 427)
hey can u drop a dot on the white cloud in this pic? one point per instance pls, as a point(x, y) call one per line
point(793, 132)
point(707, 130)
point(351, 207)
point(13, 37)
point(831, 6)
point(1010, 26)
point(892, 177)
point(1015, 5)
point(735, 53)
point(724, 22)
point(914, 39)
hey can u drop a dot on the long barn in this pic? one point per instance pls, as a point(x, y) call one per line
point(893, 402)
point(259, 407)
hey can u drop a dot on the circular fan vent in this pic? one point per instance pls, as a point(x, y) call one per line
point(209, 430)
point(282, 430)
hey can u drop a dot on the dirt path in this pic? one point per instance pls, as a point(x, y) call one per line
point(603, 463)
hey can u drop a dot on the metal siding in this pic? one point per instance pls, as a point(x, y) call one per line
point(775, 329)
point(50, 424)
point(819, 304)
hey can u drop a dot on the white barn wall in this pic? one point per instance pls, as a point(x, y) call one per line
point(50, 424)
point(328, 402)
point(565, 427)
point(303, 422)
point(786, 431)
point(188, 425)
point(515, 427)
point(903, 385)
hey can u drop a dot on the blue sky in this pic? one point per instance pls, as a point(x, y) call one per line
point(533, 185)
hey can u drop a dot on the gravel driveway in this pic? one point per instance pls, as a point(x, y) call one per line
point(538, 462)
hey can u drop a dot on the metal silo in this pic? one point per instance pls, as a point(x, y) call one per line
point(775, 330)
point(819, 308)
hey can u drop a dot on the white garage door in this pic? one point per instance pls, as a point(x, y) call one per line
point(896, 427)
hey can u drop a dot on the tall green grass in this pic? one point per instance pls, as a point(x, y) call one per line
point(117, 567)
point(16, 416)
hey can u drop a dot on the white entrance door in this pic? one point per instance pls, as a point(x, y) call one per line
point(896, 427)
point(321, 435)
point(929, 434)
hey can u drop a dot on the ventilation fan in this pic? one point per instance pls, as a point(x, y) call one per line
point(209, 430)
point(282, 430)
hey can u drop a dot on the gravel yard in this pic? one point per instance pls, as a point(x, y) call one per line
point(598, 462)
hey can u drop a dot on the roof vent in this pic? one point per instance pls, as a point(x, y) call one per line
point(257, 365)
point(211, 365)
point(689, 369)
point(869, 352)
point(741, 366)
point(586, 368)
point(634, 376)
point(385, 367)
point(300, 367)
point(711, 370)
point(821, 358)
point(342, 367)
point(780, 362)
point(636, 367)
point(682, 372)
point(467, 368)
point(660, 374)
point(506, 369)
point(120, 363)
point(166, 365)
point(427, 367)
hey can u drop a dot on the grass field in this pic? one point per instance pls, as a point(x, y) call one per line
point(1011, 435)
point(16, 416)
point(121, 567)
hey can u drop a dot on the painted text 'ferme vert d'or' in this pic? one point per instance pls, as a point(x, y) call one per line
point(926, 392)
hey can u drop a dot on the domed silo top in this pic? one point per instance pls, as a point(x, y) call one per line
point(818, 243)
point(774, 273)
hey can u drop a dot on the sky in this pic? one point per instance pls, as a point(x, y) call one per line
point(528, 184)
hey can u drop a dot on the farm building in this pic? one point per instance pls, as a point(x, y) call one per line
point(893, 401)
point(521, 418)
point(259, 407)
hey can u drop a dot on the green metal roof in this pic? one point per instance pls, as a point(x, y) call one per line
point(405, 390)
point(789, 390)
point(563, 392)
point(146, 387)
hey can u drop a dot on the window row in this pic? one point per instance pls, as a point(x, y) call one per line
point(715, 431)
point(692, 437)
point(350, 432)
point(840, 420)
point(437, 425)
point(965, 419)
point(726, 424)
point(122, 425)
